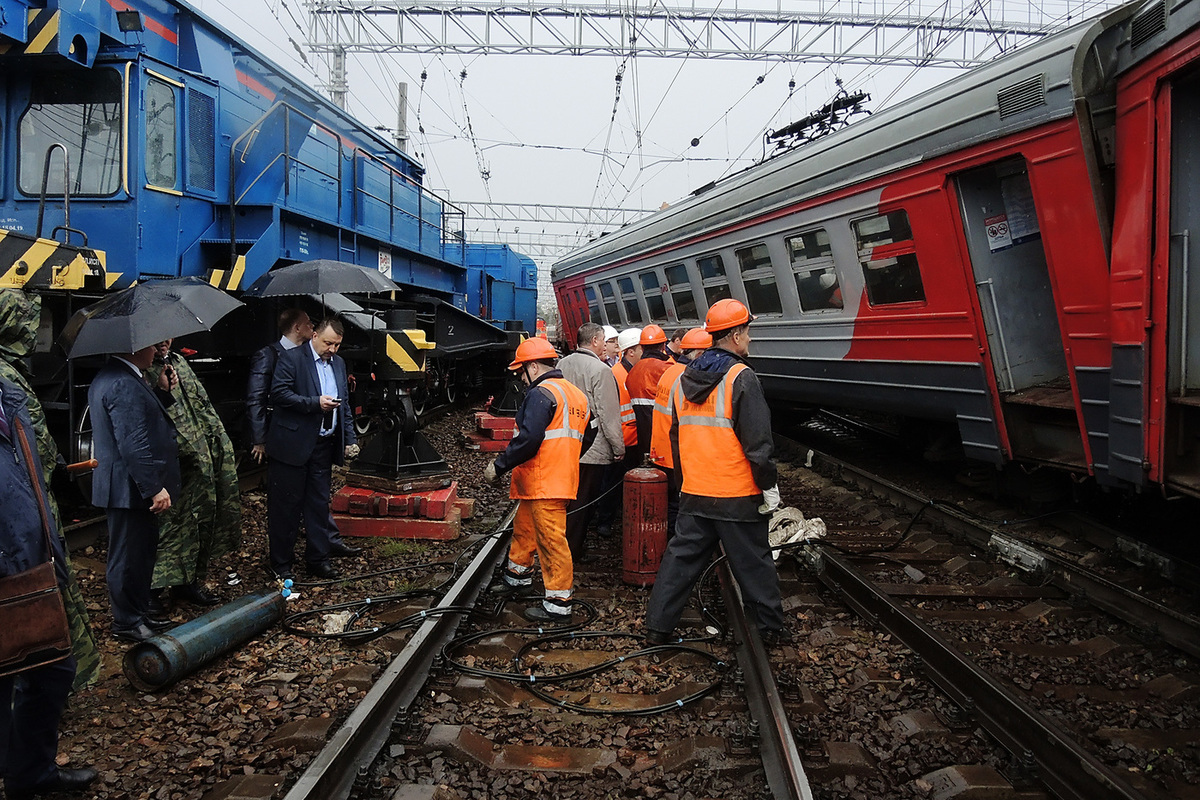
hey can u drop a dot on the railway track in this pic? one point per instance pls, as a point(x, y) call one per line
point(923, 664)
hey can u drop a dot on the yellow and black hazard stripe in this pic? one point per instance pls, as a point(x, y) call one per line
point(229, 279)
point(404, 350)
point(27, 261)
point(41, 35)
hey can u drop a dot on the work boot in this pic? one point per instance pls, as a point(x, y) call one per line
point(61, 780)
point(160, 604)
point(322, 569)
point(194, 594)
point(654, 638)
point(339, 549)
point(539, 613)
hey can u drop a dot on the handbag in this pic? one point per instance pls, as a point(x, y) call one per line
point(34, 631)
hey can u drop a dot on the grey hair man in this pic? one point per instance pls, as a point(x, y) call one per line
point(587, 372)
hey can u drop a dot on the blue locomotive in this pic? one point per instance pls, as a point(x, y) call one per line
point(142, 140)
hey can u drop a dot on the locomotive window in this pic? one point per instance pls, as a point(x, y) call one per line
point(816, 279)
point(82, 110)
point(712, 271)
point(681, 292)
point(889, 259)
point(633, 311)
point(160, 134)
point(593, 306)
point(654, 296)
point(606, 290)
point(759, 279)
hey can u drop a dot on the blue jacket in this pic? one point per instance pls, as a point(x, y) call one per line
point(258, 390)
point(296, 408)
point(22, 539)
point(132, 438)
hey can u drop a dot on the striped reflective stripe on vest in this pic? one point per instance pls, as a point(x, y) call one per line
point(565, 430)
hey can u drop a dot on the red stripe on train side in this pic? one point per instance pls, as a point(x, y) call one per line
point(151, 24)
point(254, 85)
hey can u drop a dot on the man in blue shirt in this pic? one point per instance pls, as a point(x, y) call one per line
point(311, 428)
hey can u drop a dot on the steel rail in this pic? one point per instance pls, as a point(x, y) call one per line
point(1175, 628)
point(357, 743)
point(1066, 768)
point(780, 756)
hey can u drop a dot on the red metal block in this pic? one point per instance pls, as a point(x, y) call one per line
point(348, 497)
point(400, 527)
point(436, 504)
point(501, 434)
point(486, 421)
point(466, 507)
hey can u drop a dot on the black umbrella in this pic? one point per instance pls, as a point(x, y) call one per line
point(145, 314)
point(322, 276)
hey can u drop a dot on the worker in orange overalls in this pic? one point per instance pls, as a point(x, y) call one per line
point(642, 383)
point(552, 431)
point(721, 444)
point(693, 343)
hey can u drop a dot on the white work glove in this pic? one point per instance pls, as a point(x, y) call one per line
point(770, 501)
point(352, 451)
point(489, 472)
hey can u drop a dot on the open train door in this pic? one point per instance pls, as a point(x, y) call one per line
point(1179, 163)
point(1016, 303)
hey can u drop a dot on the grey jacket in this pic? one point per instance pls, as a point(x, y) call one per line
point(595, 379)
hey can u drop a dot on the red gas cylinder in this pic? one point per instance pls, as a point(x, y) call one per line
point(644, 525)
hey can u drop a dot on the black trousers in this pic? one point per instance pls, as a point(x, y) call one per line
point(300, 492)
point(614, 486)
point(688, 554)
point(31, 706)
point(581, 510)
point(132, 548)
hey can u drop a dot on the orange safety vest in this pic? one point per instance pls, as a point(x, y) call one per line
point(710, 454)
point(660, 437)
point(553, 472)
point(628, 418)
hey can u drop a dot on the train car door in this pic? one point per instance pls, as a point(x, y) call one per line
point(159, 182)
point(1016, 301)
point(1181, 445)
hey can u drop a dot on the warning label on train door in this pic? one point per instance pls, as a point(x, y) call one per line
point(999, 236)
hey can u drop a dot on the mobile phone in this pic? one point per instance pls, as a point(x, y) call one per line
point(337, 401)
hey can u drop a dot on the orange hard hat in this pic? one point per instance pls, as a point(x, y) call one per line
point(726, 314)
point(696, 339)
point(652, 334)
point(532, 350)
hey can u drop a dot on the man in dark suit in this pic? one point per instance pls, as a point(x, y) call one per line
point(295, 330)
point(311, 428)
point(134, 441)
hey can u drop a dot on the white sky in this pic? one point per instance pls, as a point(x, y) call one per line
point(543, 123)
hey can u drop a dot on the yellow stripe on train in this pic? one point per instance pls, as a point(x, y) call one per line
point(27, 261)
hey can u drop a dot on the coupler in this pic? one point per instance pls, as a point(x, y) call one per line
point(157, 663)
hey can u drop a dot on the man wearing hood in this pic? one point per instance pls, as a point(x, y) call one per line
point(721, 442)
point(20, 320)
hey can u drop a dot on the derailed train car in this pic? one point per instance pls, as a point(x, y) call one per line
point(140, 140)
point(1008, 254)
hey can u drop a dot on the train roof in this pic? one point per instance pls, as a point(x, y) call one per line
point(1036, 84)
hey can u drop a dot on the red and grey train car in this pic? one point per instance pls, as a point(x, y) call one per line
point(1008, 253)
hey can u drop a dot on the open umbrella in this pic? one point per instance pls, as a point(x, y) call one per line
point(145, 314)
point(319, 277)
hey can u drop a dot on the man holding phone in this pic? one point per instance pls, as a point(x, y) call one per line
point(311, 428)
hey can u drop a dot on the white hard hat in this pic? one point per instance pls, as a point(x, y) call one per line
point(628, 338)
point(609, 332)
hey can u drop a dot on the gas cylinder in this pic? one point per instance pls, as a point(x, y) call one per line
point(644, 525)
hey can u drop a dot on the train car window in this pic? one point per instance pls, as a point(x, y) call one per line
point(82, 110)
point(633, 312)
point(610, 303)
point(681, 292)
point(654, 296)
point(889, 259)
point(160, 134)
point(201, 143)
point(759, 279)
point(592, 304)
point(712, 273)
point(816, 279)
